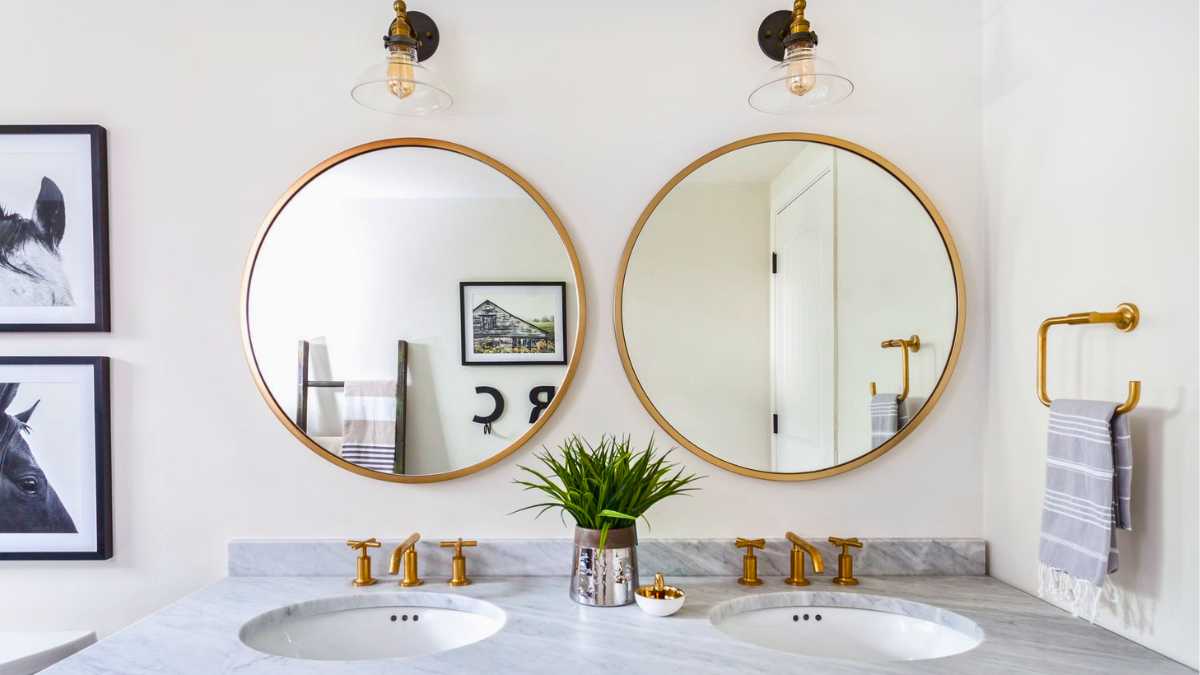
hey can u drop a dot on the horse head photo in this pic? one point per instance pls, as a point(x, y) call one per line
point(31, 266)
point(28, 503)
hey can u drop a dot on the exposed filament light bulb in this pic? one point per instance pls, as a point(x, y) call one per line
point(799, 81)
point(801, 69)
point(401, 82)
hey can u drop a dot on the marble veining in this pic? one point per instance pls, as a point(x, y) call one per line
point(546, 632)
point(552, 557)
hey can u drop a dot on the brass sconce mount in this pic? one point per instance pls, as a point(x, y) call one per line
point(410, 29)
point(784, 28)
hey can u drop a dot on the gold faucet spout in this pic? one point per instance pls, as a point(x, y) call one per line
point(799, 548)
point(818, 563)
point(394, 562)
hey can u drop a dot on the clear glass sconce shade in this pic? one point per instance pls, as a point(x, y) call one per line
point(399, 85)
point(798, 83)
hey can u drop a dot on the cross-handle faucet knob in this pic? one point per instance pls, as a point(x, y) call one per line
point(845, 575)
point(796, 576)
point(362, 575)
point(749, 561)
point(408, 551)
point(458, 564)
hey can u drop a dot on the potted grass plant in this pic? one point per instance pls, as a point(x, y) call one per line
point(605, 488)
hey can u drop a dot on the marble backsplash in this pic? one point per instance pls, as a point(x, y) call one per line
point(552, 557)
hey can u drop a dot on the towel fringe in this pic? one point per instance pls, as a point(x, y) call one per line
point(1079, 596)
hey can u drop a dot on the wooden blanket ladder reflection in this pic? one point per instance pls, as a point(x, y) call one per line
point(303, 384)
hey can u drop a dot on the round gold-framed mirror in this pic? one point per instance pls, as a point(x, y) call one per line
point(382, 283)
point(790, 306)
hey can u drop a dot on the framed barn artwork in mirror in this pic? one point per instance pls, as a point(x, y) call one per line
point(513, 322)
point(55, 474)
point(53, 228)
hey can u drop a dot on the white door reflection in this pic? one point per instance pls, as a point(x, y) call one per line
point(803, 316)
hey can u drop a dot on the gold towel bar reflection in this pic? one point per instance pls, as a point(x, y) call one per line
point(1125, 319)
point(912, 344)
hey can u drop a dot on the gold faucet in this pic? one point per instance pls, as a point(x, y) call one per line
point(749, 562)
point(407, 549)
point(363, 576)
point(845, 575)
point(458, 564)
point(799, 548)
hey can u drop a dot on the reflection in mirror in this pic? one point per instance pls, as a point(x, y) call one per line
point(787, 307)
point(381, 288)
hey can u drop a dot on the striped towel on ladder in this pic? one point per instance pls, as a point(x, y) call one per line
point(369, 425)
point(1089, 470)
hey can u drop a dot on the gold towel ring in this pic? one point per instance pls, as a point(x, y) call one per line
point(912, 344)
point(1125, 319)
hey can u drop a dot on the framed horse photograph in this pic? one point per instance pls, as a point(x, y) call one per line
point(53, 228)
point(55, 475)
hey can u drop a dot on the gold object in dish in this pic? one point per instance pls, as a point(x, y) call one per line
point(659, 599)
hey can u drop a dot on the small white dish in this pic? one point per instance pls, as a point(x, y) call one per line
point(659, 599)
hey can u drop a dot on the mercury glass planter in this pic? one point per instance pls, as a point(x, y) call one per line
point(607, 578)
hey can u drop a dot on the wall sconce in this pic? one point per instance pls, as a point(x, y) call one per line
point(801, 81)
point(401, 84)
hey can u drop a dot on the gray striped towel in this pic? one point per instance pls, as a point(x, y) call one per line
point(887, 417)
point(369, 424)
point(1089, 471)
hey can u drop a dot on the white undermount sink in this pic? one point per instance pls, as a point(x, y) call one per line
point(373, 626)
point(847, 626)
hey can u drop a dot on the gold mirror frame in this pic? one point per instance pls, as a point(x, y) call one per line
point(959, 290)
point(580, 293)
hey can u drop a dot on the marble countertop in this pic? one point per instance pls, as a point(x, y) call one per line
point(548, 633)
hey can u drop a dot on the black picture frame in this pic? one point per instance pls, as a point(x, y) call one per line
point(104, 521)
point(98, 136)
point(462, 303)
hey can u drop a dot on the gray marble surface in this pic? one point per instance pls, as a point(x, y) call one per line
point(552, 557)
point(547, 633)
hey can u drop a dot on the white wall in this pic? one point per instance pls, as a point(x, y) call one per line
point(212, 114)
point(1090, 190)
point(708, 375)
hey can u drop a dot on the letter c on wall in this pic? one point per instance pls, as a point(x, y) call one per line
point(497, 408)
